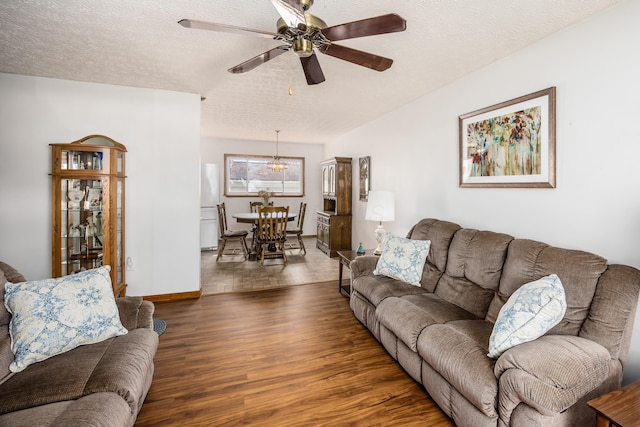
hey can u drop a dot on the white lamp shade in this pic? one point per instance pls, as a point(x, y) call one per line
point(380, 206)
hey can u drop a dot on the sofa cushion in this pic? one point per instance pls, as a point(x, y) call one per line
point(403, 259)
point(440, 234)
point(99, 409)
point(579, 272)
point(55, 379)
point(407, 316)
point(53, 316)
point(120, 365)
point(474, 269)
point(552, 373)
point(376, 288)
point(458, 352)
point(530, 312)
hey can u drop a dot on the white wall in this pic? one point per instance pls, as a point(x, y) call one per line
point(213, 151)
point(596, 205)
point(161, 131)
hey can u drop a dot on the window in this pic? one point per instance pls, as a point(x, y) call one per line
point(246, 175)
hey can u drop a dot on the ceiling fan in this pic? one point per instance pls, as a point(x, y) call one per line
point(301, 32)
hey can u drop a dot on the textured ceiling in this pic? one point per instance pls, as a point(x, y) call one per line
point(139, 43)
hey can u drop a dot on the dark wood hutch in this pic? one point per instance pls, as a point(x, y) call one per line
point(334, 221)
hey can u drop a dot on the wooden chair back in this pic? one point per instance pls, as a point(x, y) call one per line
point(253, 206)
point(225, 234)
point(303, 210)
point(272, 224)
point(272, 231)
point(222, 218)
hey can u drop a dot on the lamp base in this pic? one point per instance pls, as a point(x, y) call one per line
point(380, 235)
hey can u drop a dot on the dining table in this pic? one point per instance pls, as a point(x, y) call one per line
point(252, 218)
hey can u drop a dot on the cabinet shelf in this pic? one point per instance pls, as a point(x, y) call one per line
point(90, 255)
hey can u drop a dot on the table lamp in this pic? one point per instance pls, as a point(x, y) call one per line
point(380, 208)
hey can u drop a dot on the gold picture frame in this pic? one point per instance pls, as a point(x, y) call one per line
point(511, 144)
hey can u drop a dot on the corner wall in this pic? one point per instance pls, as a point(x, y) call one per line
point(596, 205)
point(161, 130)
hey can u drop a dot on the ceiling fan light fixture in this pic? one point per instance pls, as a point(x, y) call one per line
point(303, 48)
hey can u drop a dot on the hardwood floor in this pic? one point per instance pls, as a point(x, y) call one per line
point(293, 356)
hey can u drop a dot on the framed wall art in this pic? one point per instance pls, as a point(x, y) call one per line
point(365, 172)
point(511, 144)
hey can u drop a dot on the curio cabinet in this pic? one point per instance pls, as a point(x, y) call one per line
point(87, 178)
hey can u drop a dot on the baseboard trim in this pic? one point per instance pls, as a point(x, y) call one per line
point(173, 297)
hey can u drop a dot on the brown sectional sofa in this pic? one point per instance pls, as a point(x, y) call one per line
point(439, 331)
point(102, 384)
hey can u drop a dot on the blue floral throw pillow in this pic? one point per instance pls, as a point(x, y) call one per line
point(403, 259)
point(53, 316)
point(530, 312)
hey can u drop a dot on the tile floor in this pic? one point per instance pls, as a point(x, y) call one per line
point(233, 274)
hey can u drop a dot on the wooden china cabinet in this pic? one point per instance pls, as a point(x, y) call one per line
point(334, 221)
point(87, 182)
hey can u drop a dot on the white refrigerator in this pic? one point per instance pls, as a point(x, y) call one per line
point(209, 198)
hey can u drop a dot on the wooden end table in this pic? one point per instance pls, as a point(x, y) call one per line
point(345, 258)
point(620, 407)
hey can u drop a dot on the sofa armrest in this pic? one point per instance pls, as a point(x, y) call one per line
point(363, 265)
point(551, 373)
point(135, 312)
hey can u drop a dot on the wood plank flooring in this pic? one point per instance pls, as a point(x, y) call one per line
point(293, 356)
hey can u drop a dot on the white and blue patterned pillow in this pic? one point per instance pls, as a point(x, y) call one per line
point(530, 312)
point(53, 316)
point(403, 259)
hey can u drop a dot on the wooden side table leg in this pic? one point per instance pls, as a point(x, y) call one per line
point(603, 421)
point(340, 276)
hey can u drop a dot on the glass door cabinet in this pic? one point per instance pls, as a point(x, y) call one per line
point(88, 207)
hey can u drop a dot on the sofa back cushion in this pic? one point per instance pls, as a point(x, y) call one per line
point(11, 274)
point(579, 271)
point(610, 319)
point(440, 233)
point(474, 268)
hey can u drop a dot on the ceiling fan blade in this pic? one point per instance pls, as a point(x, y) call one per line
point(366, 59)
point(312, 70)
point(258, 60)
point(202, 25)
point(292, 13)
point(384, 24)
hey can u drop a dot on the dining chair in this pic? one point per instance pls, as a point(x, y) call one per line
point(272, 232)
point(226, 234)
point(253, 208)
point(297, 230)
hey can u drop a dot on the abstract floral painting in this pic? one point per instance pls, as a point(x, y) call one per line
point(511, 144)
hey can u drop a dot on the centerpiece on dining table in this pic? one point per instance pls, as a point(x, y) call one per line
point(266, 196)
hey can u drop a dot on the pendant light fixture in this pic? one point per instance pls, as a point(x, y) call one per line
point(277, 164)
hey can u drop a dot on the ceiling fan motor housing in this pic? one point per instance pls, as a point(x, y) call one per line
point(303, 46)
